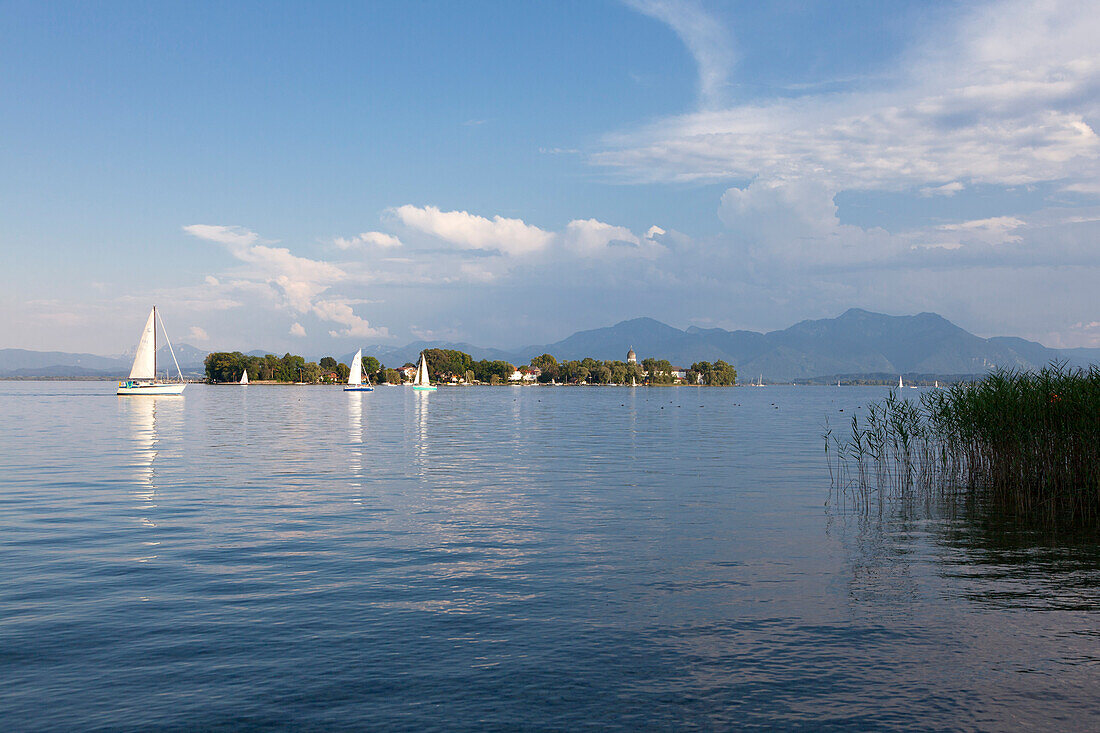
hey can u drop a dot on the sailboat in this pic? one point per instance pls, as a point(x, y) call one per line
point(244, 377)
point(143, 375)
point(901, 385)
point(355, 377)
point(421, 382)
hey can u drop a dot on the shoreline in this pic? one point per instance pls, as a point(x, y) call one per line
point(266, 383)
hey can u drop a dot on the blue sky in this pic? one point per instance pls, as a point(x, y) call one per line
point(312, 177)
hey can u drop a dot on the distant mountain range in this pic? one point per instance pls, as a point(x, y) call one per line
point(21, 363)
point(858, 342)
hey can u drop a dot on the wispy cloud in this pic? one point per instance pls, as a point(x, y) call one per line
point(233, 236)
point(992, 231)
point(1004, 99)
point(947, 189)
point(297, 282)
point(710, 43)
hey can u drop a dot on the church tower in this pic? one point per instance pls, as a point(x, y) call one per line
point(631, 357)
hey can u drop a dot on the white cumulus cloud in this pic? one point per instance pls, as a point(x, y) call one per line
point(297, 282)
point(469, 231)
point(515, 238)
point(377, 239)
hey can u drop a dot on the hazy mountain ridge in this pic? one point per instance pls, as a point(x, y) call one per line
point(856, 342)
point(26, 363)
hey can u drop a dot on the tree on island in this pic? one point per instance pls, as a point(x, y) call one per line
point(485, 370)
point(226, 366)
point(289, 368)
point(660, 371)
point(447, 361)
point(718, 374)
point(548, 366)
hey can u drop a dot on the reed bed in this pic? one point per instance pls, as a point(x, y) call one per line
point(1027, 443)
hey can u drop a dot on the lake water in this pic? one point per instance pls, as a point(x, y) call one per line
point(486, 558)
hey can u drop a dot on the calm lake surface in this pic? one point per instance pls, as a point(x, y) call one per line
point(484, 558)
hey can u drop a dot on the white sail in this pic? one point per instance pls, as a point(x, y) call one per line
point(900, 385)
point(422, 373)
point(244, 377)
point(355, 377)
point(145, 360)
point(143, 375)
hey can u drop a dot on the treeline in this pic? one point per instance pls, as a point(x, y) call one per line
point(650, 371)
point(447, 365)
point(225, 366)
point(718, 374)
point(228, 366)
point(443, 364)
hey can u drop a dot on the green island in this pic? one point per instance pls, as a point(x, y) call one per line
point(450, 366)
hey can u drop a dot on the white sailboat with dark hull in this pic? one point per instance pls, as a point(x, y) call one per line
point(355, 376)
point(143, 375)
point(421, 383)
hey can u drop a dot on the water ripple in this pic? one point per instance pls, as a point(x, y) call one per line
point(511, 558)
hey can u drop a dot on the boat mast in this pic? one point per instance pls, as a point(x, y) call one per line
point(154, 343)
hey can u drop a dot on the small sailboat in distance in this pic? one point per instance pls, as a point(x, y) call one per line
point(355, 376)
point(244, 377)
point(421, 382)
point(143, 375)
